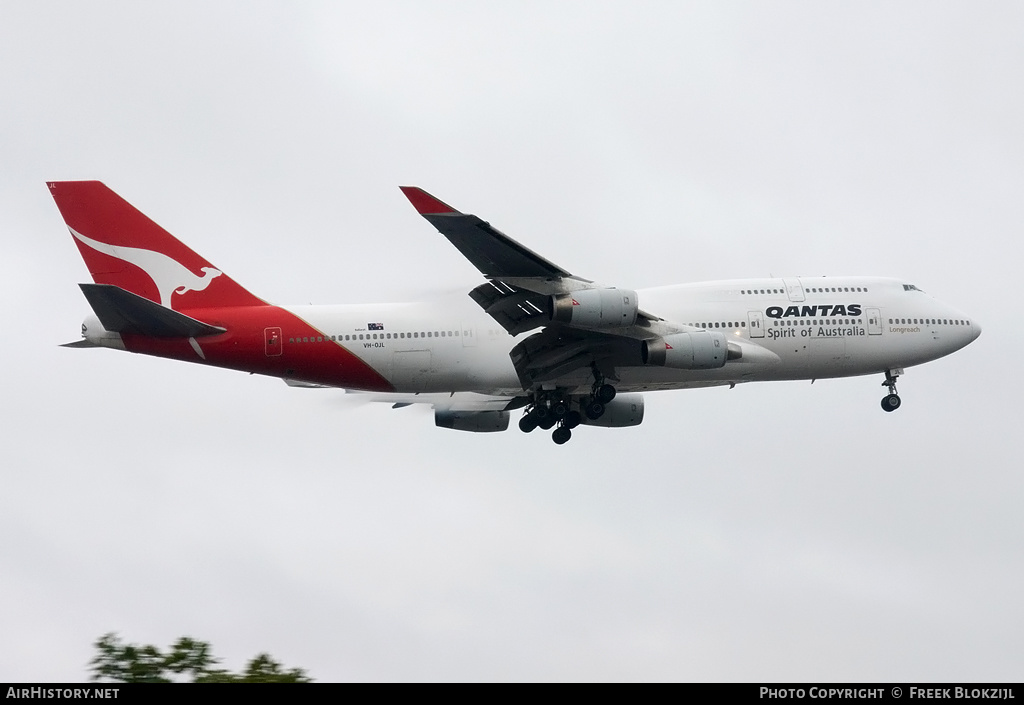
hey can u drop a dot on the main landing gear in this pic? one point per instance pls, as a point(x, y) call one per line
point(551, 410)
point(601, 394)
point(891, 401)
point(555, 409)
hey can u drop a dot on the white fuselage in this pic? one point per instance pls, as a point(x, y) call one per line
point(815, 327)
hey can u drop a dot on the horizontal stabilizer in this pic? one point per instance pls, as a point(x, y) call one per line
point(83, 343)
point(121, 311)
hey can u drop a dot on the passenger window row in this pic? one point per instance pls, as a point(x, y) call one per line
point(719, 324)
point(375, 336)
point(929, 321)
point(811, 290)
point(815, 322)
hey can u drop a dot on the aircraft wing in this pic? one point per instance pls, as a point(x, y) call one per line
point(520, 282)
point(495, 254)
point(587, 329)
point(456, 401)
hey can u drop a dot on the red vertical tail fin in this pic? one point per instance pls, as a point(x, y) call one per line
point(123, 247)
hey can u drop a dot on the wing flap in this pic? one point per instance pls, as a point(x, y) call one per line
point(516, 310)
point(558, 351)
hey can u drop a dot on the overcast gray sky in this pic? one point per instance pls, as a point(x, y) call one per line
point(774, 532)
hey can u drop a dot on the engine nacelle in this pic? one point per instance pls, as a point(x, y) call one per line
point(596, 308)
point(475, 421)
point(623, 410)
point(700, 350)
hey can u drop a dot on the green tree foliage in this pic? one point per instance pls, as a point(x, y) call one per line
point(131, 663)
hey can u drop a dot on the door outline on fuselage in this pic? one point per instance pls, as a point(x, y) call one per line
point(272, 341)
point(874, 319)
point(794, 289)
point(755, 324)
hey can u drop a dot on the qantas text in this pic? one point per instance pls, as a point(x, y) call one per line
point(811, 311)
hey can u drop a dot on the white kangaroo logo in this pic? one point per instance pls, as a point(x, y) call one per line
point(169, 275)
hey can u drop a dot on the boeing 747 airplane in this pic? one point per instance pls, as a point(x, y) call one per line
point(532, 337)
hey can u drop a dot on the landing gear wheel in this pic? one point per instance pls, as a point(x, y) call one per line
point(605, 393)
point(572, 419)
point(561, 435)
point(891, 402)
point(547, 422)
point(559, 408)
point(527, 423)
point(594, 410)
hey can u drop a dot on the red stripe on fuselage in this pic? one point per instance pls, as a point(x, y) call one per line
point(243, 347)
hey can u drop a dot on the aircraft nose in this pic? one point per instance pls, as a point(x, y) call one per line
point(975, 330)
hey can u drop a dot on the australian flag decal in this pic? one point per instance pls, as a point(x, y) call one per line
point(374, 326)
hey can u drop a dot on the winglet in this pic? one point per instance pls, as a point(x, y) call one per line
point(424, 203)
point(495, 254)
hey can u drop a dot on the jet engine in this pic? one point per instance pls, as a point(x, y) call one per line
point(700, 350)
point(595, 308)
point(475, 421)
point(623, 410)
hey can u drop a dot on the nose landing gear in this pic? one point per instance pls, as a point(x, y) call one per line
point(891, 401)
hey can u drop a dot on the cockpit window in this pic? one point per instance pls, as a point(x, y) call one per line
point(910, 287)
